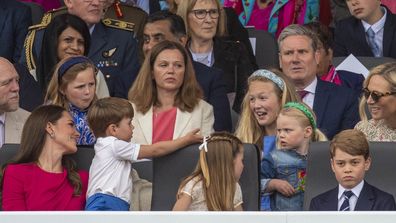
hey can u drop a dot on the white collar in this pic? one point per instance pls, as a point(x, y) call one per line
point(91, 29)
point(311, 88)
point(378, 25)
point(356, 190)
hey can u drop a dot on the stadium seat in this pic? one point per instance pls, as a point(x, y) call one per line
point(265, 48)
point(170, 170)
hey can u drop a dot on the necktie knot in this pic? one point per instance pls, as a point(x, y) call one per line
point(348, 194)
point(302, 93)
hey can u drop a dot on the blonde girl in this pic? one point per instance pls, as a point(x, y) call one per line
point(283, 171)
point(213, 186)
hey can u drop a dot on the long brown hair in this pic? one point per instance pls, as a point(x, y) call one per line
point(33, 139)
point(144, 90)
point(215, 170)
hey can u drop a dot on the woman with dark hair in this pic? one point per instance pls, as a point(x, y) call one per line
point(40, 177)
point(66, 35)
point(167, 98)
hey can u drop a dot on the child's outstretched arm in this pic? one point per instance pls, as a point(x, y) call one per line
point(182, 203)
point(165, 147)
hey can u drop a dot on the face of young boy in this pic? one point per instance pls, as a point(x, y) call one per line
point(363, 9)
point(124, 130)
point(349, 170)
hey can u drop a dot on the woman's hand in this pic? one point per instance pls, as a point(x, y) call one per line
point(193, 137)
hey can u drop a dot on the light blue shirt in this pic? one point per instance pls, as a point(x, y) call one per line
point(378, 29)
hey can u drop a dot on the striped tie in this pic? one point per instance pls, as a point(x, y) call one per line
point(345, 204)
point(371, 42)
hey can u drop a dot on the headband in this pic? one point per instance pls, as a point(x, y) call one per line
point(69, 63)
point(304, 110)
point(270, 76)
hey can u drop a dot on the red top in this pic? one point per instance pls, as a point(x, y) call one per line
point(164, 125)
point(26, 187)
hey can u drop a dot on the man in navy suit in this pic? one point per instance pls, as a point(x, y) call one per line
point(336, 107)
point(15, 18)
point(353, 33)
point(113, 48)
point(350, 159)
point(164, 25)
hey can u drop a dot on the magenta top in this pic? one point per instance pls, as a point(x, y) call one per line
point(164, 125)
point(26, 187)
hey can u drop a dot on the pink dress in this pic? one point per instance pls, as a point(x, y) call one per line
point(26, 187)
point(164, 125)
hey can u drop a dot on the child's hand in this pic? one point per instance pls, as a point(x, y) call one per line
point(193, 137)
point(283, 187)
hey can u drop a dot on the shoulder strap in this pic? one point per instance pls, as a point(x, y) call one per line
point(113, 23)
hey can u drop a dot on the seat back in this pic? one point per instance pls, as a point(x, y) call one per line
point(170, 170)
point(265, 48)
point(83, 158)
point(320, 177)
point(368, 62)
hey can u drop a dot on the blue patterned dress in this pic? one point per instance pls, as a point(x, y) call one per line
point(80, 118)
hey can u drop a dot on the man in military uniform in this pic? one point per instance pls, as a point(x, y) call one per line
point(113, 48)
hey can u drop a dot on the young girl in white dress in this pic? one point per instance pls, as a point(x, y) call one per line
point(213, 186)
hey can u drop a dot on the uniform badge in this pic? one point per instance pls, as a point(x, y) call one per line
point(109, 53)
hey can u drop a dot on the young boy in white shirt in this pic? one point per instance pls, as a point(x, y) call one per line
point(110, 183)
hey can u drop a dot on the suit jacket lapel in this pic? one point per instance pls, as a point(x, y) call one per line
point(365, 201)
point(13, 126)
point(182, 119)
point(98, 39)
point(146, 124)
point(320, 101)
point(389, 28)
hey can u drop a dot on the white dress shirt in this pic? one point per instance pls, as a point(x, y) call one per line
point(310, 96)
point(353, 200)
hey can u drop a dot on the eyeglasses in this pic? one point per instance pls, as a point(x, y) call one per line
point(201, 13)
point(375, 95)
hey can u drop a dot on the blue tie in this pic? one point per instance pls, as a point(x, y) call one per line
point(371, 42)
point(345, 205)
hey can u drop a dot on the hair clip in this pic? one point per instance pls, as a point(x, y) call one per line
point(204, 144)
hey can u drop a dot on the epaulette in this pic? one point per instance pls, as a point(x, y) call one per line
point(129, 26)
point(29, 40)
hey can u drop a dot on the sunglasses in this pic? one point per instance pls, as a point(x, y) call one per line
point(375, 95)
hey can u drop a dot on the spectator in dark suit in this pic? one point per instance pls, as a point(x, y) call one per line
point(165, 25)
point(350, 159)
point(15, 18)
point(336, 107)
point(370, 31)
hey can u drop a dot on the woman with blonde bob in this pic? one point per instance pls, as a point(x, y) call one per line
point(167, 98)
point(379, 94)
point(73, 87)
point(213, 186)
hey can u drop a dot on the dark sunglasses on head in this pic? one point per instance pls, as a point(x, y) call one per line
point(375, 95)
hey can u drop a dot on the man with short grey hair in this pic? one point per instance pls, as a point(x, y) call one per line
point(336, 107)
point(12, 118)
